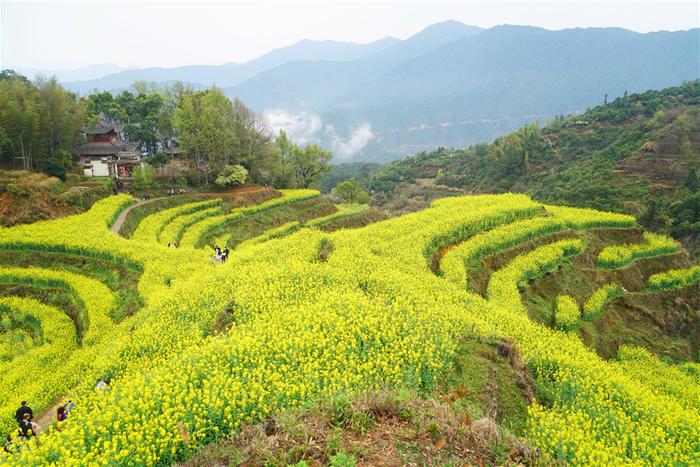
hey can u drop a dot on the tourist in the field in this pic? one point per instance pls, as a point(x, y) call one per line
point(8, 445)
point(102, 384)
point(217, 251)
point(23, 409)
point(224, 255)
point(63, 411)
point(27, 428)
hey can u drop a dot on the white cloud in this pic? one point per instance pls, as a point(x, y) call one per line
point(344, 148)
point(306, 127)
point(301, 127)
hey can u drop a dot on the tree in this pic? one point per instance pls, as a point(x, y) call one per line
point(655, 216)
point(143, 117)
point(309, 163)
point(37, 120)
point(692, 183)
point(286, 150)
point(206, 129)
point(232, 175)
point(254, 147)
point(172, 97)
point(12, 74)
point(55, 168)
point(510, 154)
point(103, 106)
point(350, 191)
point(58, 165)
point(158, 160)
point(61, 118)
point(20, 118)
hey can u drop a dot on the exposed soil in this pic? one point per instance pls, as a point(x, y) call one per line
point(479, 279)
point(46, 417)
point(666, 323)
point(353, 222)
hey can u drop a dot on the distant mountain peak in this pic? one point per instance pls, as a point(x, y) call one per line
point(445, 24)
point(449, 26)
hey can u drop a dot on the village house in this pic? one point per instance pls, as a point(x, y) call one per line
point(106, 154)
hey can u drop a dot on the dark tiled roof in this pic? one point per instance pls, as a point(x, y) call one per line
point(126, 145)
point(105, 148)
point(100, 129)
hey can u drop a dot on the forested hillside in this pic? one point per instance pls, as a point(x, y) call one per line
point(639, 154)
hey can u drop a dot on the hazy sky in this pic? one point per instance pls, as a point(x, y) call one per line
point(59, 35)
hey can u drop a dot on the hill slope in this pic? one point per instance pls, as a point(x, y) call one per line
point(27, 197)
point(639, 154)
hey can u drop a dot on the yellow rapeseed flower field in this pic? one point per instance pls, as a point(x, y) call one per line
point(368, 313)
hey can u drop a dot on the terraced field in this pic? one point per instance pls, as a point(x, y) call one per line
point(311, 314)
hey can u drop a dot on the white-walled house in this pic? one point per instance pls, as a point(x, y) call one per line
point(105, 154)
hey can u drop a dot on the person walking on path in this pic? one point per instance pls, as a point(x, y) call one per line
point(63, 411)
point(23, 409)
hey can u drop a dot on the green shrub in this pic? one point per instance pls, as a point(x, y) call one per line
point(351, 192)
point(144, 178)
point(232, 175)
point(343, 460)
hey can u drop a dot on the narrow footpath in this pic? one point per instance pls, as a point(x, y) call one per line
point(117, 225)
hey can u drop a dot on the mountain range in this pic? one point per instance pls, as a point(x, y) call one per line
point(448, 85)
point(232, 73)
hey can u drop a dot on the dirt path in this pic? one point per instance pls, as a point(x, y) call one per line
point(117, 225)
point(44, 418)
point(244, 190)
